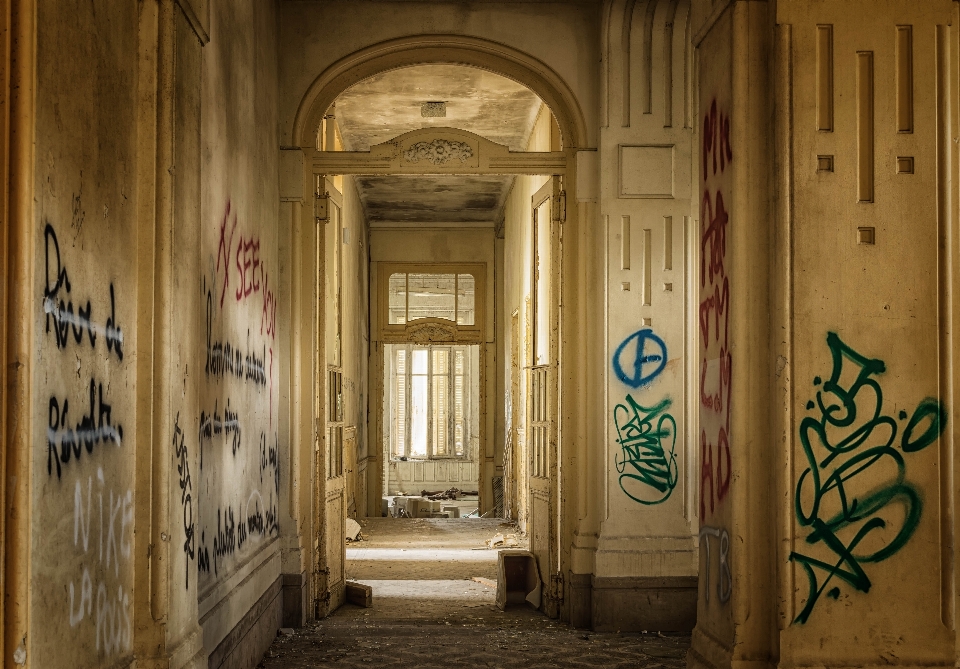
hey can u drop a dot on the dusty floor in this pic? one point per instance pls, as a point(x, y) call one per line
point(428, 612)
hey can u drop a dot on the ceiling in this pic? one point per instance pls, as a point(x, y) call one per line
point(388, 104)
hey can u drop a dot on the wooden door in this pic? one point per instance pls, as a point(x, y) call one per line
point(331, 500)
point(542, 397)
point(512, 461)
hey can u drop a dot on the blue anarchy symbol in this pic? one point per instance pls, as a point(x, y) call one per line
point(649, 359)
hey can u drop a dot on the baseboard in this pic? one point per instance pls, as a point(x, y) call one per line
point(707, 652)
point(244, 646)
point(663, 604)
point(580, 594)
point(294, 599)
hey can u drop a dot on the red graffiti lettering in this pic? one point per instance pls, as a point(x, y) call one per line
point(706, 474)
point(716, 359)
point(223, 249)
point(268, 315)
point(248, 266)
point(716, 141)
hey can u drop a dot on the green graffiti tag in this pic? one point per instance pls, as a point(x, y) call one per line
point(856, 479)
point(648, 449)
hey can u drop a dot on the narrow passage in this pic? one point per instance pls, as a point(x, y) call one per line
point(434, 607)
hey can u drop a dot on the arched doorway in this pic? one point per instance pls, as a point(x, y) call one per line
point(547, 528)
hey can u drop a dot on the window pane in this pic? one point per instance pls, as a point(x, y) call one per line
point(419, 361)
point(398, 299)
point(465, 299)
point(418, 414)
point(440, 414)
point(431, 296)
point(440, 360)
point(543, 269)
point(440, 418)
point(458, 414)
point(334, 285)
point(400, 428)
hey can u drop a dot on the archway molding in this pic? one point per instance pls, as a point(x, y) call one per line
point(449, 49)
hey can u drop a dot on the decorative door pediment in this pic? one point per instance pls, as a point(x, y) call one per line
point(438, 151)
point(431, 331)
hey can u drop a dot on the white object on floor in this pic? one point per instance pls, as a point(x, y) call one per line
point(351, 529)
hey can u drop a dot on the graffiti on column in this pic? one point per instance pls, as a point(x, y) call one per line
point(724, 581)
point(649, 358)
point(716, 361)
point(647, 461)
point(58, 306)
point(98, 599)
point(854, 495)
point(240, 512)
point(186, 494)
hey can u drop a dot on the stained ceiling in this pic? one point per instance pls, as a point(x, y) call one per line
point(389, 104)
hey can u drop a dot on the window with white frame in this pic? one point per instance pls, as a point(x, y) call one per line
point(416, 295)
point(430, 404)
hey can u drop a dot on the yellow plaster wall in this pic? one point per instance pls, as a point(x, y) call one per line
point(84, 419)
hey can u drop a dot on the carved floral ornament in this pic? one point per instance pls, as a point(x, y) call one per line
point(438, 152)
point(432, 332)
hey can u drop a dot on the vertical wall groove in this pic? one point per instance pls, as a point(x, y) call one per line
point(18, 447)
point(904, 57)
point(668, 75)
point(865, 140)
point(944, 301)
point(648, 56)
point(687, 78)
point(646, 268)
point(668, 64)
point(624, 242)
point(825, 78)
point(784, 310)
point(667, 243)
point(625, 63)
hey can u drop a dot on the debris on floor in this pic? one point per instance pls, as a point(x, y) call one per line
point(490, 583)
point(352, 530)
point(359, 594)
point(285, 631)
point(452, 493)
point(499, 540)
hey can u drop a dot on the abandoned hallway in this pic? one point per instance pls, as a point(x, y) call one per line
point(622, 331)
point(434, 606)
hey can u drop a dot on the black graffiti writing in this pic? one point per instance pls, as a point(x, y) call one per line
point(225, 359)
point(95, 427)
point(60, 312)
point(213, 425)
point(186, 493)
point(273, 518)
point(270, 457)
point(203, 555)
point(225, 540)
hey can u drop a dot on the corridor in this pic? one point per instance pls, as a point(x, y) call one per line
point(434, 585)
point(658, 301)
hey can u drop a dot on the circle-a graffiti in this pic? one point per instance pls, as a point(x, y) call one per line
point(649, 358)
